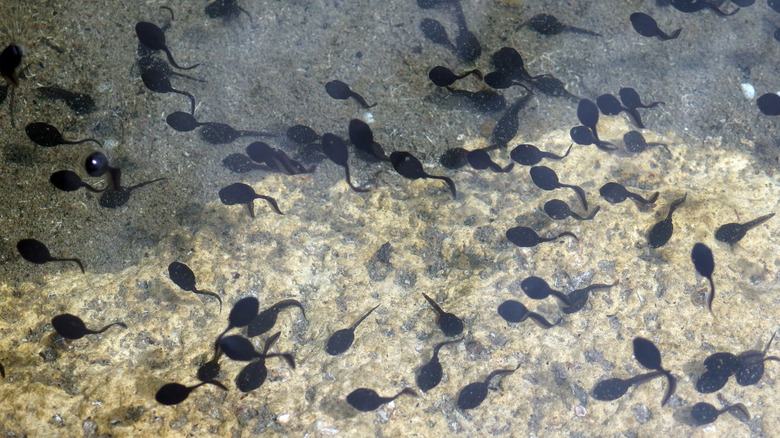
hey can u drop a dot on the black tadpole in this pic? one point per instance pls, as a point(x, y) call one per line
point(182, 122)
point(583, 136)
point(340, 91)
point(175, 393)
point(732, 233)
point(336, 150)
point(579, 298)
point(538, 289)
point(151, 36)
point(526, 237)
point(515, 312)
point(646, 26)
point(367, 400)
point(609, 105)
point(704, 413)
point(613, 389)
point(362, 137)
point(117, 196)
point(473, 394)
point(529, 155)
point(720, 366)
point(615, 193)
point(662, 231)
point(559, 210)
point(479, 159)
point(240, 193)
point(547, 24)
point(46, 135)
point(159, 83)
point(449, 323)
point(588, 115)
point(430, 374)
point(276, 159)
point(341, 340)
point(181, 275)
point(647, 354)
point(10, 59)
point(635, 142)
point(237, 347)
point(444, 77)
point(36, 252)
point(254, 374)
point(546, 179)
point(509, 60)
point(454, 158)
point(69, 181)
point(631, 99)
point(72, 327)
point(302, 134)
point(408, 166)
point(701, 256)
point(242, 313)
point(266, 320)
point(751, 364)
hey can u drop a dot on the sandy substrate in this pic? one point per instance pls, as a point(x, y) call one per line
point(341, 253)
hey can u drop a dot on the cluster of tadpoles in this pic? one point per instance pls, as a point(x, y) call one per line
point(748, 367)
point(245, 313)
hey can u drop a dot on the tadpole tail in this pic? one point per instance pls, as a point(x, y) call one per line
point(408, 391)
point(582, 31)
point(557, 157)
point(271, 201)
point(362, 318)
point(120, 324)
point(286, 356)
point(138, 186)
point(77, 261)
point(712, 294)
point(192, 99)
point(666, 37)
point(349, 181)
point(449, 182)
point(592, 214)
point(541, 321)
point(636, 119)
point(580, 193)
point(269, 342)
point(670, 388)
point(651, 104)
point(210, 294)
point(758, 221)
point(86, 140)
point(359, 99)
point(567, 233)
point(641, 200)
point(173, 63)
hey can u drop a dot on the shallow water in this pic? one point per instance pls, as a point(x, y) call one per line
point(341, 253)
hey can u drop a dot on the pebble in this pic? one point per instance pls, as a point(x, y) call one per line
point(748, 90)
